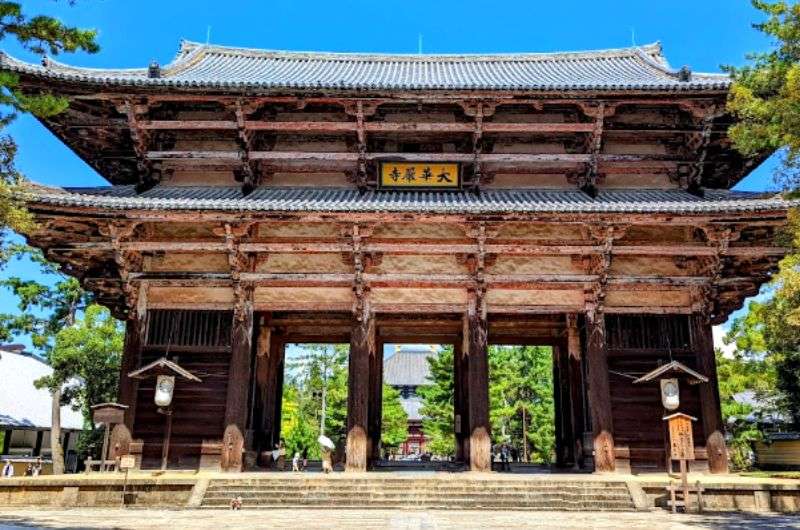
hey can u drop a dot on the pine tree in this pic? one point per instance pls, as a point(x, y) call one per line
point(38, 34)
point(437, 408)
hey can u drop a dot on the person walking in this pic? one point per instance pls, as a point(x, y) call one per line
point(504, 457)
point(305, 458)
point(8, 469)
point(296, 462)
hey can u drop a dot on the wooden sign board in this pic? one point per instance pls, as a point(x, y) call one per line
point(108, 413)
point(127, 462)
point(681, 442)
point(419, 175)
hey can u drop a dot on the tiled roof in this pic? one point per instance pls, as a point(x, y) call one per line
point(210, 66)
point(407, 368)
point(282, 199)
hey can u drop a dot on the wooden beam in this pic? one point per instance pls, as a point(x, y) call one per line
point(369, 127)
point(436, 248)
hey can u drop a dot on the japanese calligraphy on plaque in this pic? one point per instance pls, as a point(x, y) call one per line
point(681, 443)
point(399, 175)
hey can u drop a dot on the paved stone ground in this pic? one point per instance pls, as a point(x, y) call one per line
point(145, 519)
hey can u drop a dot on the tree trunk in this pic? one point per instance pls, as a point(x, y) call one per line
point(57, 451)
point(524, 437)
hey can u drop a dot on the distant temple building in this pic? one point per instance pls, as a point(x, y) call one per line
point(26, 412)
point(406, 370)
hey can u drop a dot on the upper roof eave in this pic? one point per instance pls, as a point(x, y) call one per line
point(210, 67)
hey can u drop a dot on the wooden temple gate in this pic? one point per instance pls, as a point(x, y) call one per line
point(577, 200)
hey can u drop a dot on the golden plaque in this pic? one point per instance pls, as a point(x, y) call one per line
point(399, 175)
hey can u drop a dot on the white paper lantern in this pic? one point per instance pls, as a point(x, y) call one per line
point(670, 394)
point(165, 384)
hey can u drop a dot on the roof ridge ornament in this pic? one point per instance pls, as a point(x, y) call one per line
point(154, 70)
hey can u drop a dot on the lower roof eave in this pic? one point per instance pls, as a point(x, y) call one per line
point(290, 201)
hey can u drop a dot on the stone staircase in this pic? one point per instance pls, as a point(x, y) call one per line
point(449, 492)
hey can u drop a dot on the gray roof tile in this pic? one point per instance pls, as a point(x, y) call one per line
point(267, 199)
point(210, 66)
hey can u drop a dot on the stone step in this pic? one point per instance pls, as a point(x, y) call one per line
point(454, 491)
point(544, 506)
point(416, 493)
point(412, 495)
point(448, 485)
point(419, 493)
point(415, 501)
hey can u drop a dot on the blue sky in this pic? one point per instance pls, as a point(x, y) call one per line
point(702, 34)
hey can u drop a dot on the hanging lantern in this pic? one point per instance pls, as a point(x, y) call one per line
point(670, 394)
point(165, 384)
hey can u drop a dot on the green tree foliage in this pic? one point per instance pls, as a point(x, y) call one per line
point(80, 340)
point(39, 34)
point(520, 388)
point(437, 404)
point(320, 375)
point(737, 374)
point(765, 98)
point(86, 360)
point(771, 330)
point(394, 420)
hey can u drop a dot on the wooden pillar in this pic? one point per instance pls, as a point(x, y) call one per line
point(375, 406)
point(271, 353)
point(711, 413)
point(565, 436)
point(480, 443)
point(6, 448)
point(135, 339)
point(460, 404)
point(575, 377)
point(238, 381)
point(362, 347)
point(599, 393)
point(37, 447)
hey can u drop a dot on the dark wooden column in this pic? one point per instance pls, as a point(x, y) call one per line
point(480, 443)
point(135, 329)
point(375, 406)
point(130, 361)
point(713, 428)
point(268, 381)
point(565, 436)
point(575, 376)
point(599, 393)
point(362, 347)
point(238, 381)
point(460, 403)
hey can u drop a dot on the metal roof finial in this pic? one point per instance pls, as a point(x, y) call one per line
point(685, 74)
point(154, 70)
